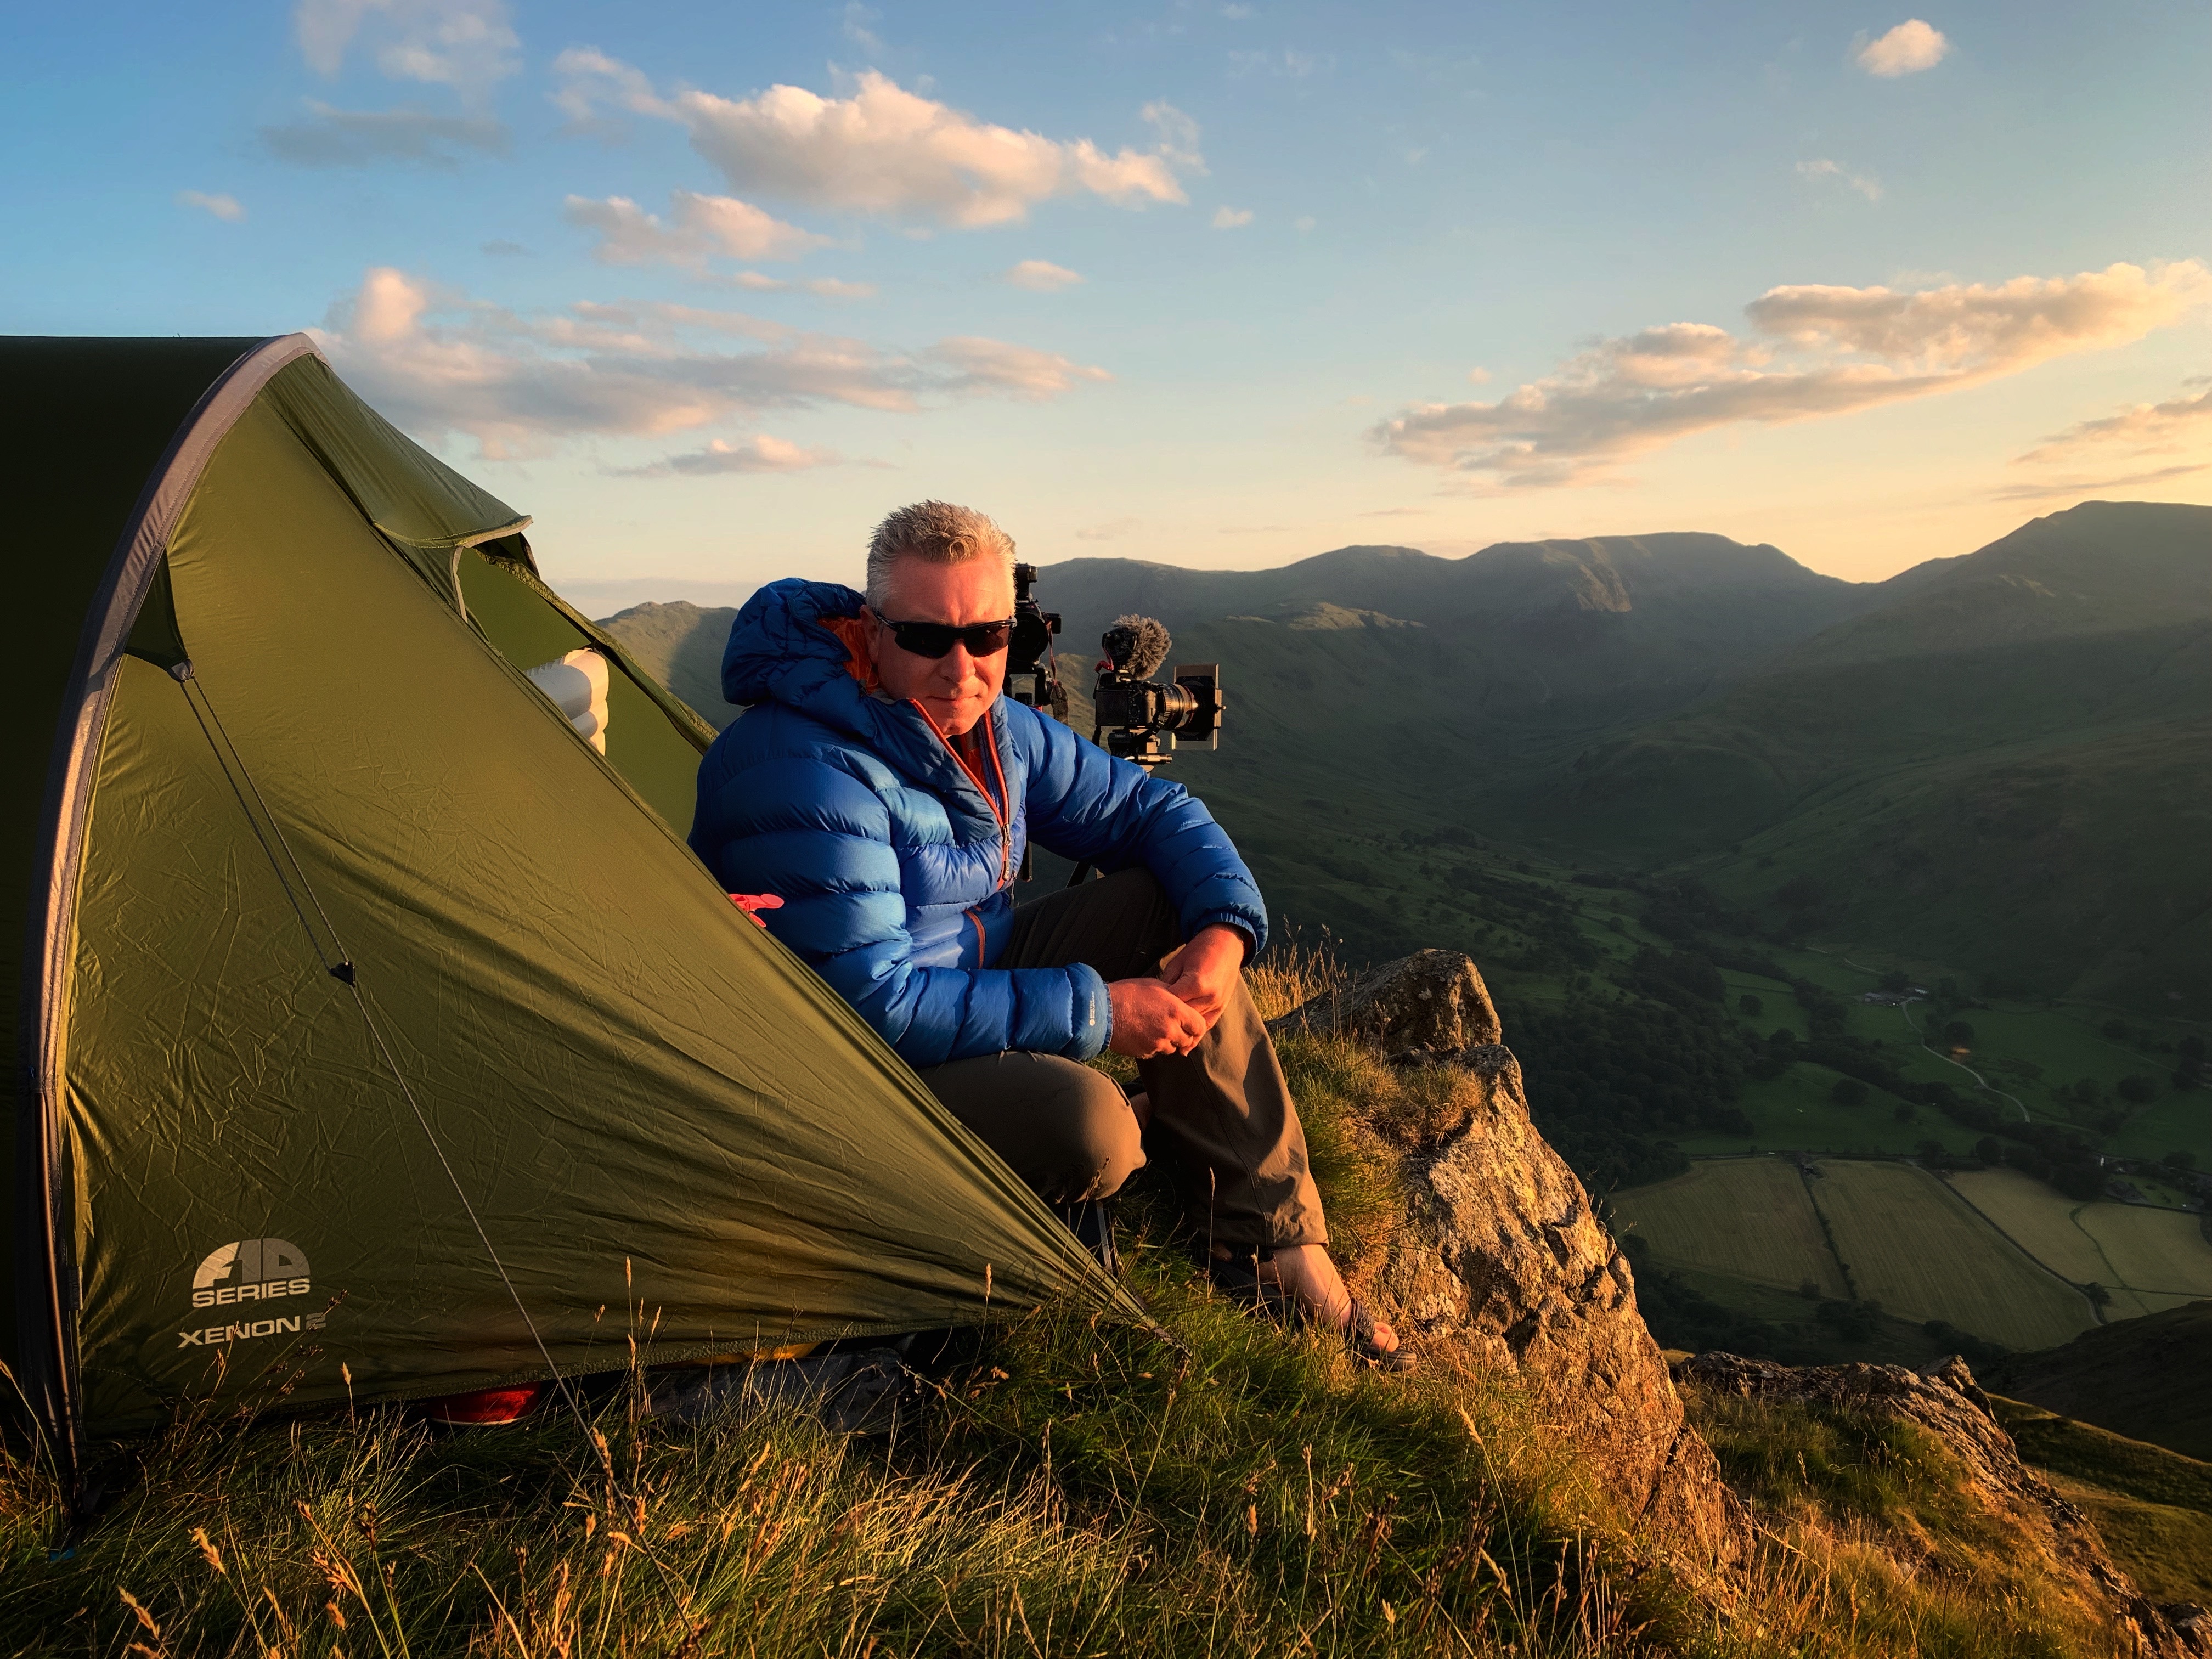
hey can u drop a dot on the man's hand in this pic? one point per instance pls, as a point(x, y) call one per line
point(1150, 1020)
point(1204, 972)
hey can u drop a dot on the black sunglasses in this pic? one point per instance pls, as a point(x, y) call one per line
point(934, 640)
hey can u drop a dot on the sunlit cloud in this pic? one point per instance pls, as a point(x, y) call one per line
point(441, 363)
point(2127, 484)
point(1909, 48)
point(1230, 218)
point(829, 288)
point(698, 228)
point(1112, 530)
point(1042, 276)
point(884, 150)
point(1811, 351)
point(759, 453)
point(2162, 428)
point(225, 208)
point(973, 363)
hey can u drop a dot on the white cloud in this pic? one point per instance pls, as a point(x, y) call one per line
point(1478, 376)
point(859, 27)
point(1910, 47)
point(1864, 183)
point(467, 45)
point(758, 454)
point(829, 288)
point(225, 208)
point(1303, 222)
point(977, 364)
point(698, 228)
point(357, 137)
point(1230, 218)
point(441, 363)
point(590, 80)
point(1813, 351)
point(1041, 276)
point(883, 151)
point(1177, 134)
point(1112, 530)
point(2081, 488)
point(2166, 428)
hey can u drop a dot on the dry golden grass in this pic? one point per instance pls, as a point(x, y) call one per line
point(1064, 1488)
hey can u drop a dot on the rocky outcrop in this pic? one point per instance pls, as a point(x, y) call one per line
point(1501, 1262)
point(1947, 1403)
point(1432, 1003)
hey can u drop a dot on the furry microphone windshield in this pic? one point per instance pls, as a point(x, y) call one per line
point(1152, 647)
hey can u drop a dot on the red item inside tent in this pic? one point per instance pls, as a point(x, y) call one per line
point(486, 1404)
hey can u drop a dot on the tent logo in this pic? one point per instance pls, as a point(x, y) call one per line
point(251, 1270)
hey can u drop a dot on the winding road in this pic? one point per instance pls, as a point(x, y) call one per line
point(1980, 1082)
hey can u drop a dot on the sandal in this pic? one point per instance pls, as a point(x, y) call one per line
point(1239, 1277)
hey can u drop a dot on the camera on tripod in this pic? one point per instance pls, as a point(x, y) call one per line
point(1140, 719)
point(1027, 680)
point(1134, 716)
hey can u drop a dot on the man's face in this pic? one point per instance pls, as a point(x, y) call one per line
point(956, 688)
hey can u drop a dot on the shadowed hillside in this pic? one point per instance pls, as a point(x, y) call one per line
point(680, 644)
point(2144, 1378)
point(1990, 768)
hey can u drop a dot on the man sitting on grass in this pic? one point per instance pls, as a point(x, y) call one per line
point(873, 810)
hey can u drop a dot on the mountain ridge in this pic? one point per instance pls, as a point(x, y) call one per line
point(1978, 758)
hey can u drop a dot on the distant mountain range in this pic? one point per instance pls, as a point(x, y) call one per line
point(1998, 760)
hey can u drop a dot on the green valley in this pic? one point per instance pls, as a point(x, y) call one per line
point(1757, 861)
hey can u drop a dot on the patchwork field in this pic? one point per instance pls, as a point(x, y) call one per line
point(2147, 1259)
point(2043, 1223)
point(1923, 1252)
point(1749, 1219)
point(2159, 1255)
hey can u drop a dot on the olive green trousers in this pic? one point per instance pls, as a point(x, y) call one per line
point(1222, 1122)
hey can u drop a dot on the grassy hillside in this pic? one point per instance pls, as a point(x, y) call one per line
point(2143, 1378)
point(2152, 1506)
point(680, 644)
point(1060, 1486)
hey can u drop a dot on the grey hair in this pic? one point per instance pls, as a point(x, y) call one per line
point(938, 533)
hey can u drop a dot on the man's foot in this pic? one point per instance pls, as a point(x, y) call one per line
point(1306, 1276)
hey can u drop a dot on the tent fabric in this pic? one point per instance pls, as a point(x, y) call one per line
point(366, 948)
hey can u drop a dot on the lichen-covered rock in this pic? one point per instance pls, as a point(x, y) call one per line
point(1433, 1003)
point(1946, 1401)
point(1502, 1260)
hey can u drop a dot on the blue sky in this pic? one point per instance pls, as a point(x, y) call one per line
point(707, 290)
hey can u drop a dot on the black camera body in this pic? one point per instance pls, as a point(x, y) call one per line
point(1140, 719)
point(1028, 679)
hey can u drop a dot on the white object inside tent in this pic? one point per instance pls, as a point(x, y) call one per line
point(578, 685)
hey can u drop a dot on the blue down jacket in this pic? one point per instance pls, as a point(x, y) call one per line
point(896, 870)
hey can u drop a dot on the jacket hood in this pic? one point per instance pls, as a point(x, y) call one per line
point(783, 648)
point(779, 650)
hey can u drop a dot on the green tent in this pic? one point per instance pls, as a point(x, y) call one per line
point(371, 1021)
